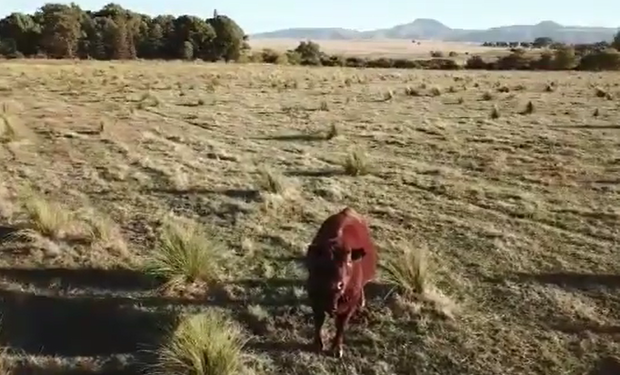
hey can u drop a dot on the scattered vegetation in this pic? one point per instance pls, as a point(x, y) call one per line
point(518, 206)
point(67, 31)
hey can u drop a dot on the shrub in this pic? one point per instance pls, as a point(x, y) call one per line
point(203, 344)
point(515, 61)
point(407, 271)
point(309, 52)
point(48, 218)
point(564, 58)
point(356, 164)
point(607, 59)
point(185, 253)
point(476, 62)
point(271, 56)
point(381, 62)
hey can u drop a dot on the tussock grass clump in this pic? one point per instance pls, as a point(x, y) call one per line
point(602, 93)
point(495, 112)
point(185, 253)
point(50, 219)
point(5, 365)
point(270, 181)
point(203, 344)
point(103, 230)
point(529, 108)
point(487, 96)
point(7, 130)
point(410, 91)
point(356, 163)
point(407, 271)
point(333, 132)
point(148, 100)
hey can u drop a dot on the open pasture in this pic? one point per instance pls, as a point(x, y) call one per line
point(393, 48)
point(507, 181)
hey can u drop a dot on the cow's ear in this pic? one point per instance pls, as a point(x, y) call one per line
point(357, 254)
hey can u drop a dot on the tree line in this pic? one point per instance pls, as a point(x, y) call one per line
point(66, 31)
point(114, 33)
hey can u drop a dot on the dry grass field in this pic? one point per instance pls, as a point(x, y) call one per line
point(133, 194)
point(394, 48)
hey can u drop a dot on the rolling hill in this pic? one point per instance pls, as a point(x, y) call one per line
point(423, 28)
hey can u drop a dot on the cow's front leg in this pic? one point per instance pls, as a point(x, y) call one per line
point(341, 323)
point(362, 299)
point(319, 319)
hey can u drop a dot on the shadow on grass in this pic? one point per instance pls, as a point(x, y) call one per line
point(111, 279)
point(77, 326)
point(570, 279)
point(271, 347)
point(602, 127)
point(245, 194)
point(295, 137)
point(31, 368)
point(573, 327)
point(606, 366)
point(328, 172)
point(6, 231)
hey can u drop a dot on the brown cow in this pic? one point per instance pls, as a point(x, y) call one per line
point(340, 260)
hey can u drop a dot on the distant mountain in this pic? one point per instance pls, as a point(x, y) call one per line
point(424, 28)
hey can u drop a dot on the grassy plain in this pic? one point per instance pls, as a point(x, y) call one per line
point(519, 212)
point(394, 48)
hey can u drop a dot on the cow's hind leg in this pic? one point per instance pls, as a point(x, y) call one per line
point(319, 320)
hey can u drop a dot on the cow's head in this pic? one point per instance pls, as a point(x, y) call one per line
point(336, 264)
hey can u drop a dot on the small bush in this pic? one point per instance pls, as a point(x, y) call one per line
point(529, 108)
point(407, 271)
point(50, 219)
point(602, 93)
point(410, 91)
point(203, 344)
point(356, 164)
point(495, 112)
point(270, 181)
point(271, 56)
point(333, 132)
point(476, 62)
point(7, 130)
point(185, 253)
point(487, 96)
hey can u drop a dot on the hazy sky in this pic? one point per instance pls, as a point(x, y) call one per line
point(267, 15)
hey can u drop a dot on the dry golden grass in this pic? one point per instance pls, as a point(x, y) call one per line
point(395, 48)
point(520, 211)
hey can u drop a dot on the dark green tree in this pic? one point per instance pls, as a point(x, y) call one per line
point(229, 39)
